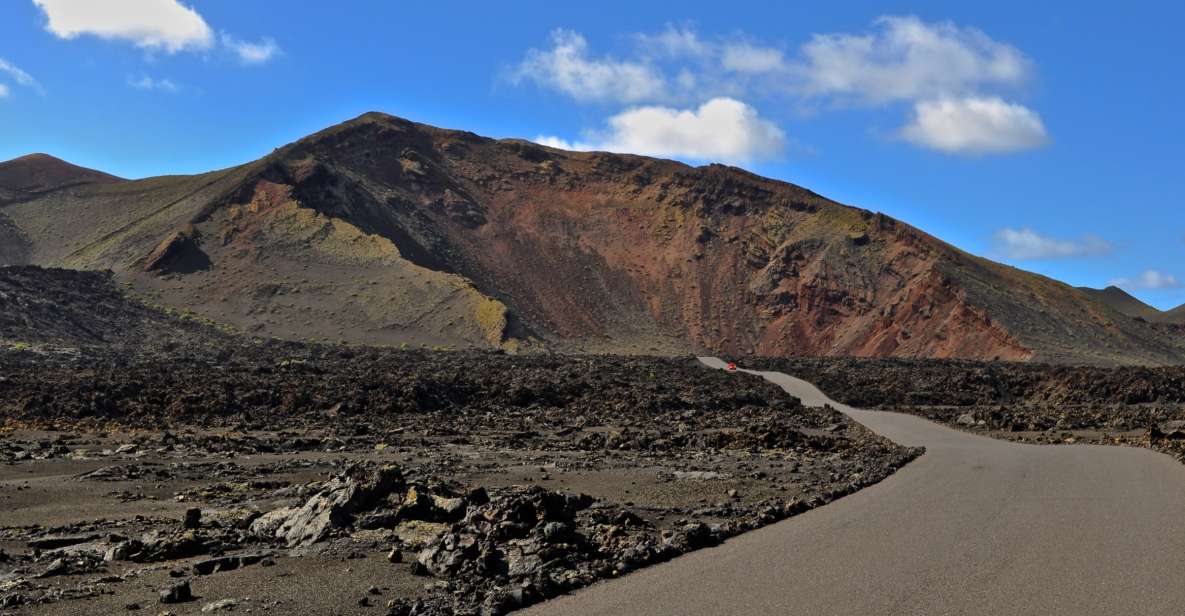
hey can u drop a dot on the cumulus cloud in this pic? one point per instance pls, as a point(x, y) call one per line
point(1025, 245)
point(568, 67)
point(154, 25)
point(906, 58)
point(165, 25)
point(975, 125)
point(1149, 279)
point(721, 129)
point(148, 83)
point(252, 53)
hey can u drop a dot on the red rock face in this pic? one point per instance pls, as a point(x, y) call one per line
point(612, 250)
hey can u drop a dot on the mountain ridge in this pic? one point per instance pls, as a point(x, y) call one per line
point(382, 230)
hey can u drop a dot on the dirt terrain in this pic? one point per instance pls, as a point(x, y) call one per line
point(383, 231)
point(152, 462)
point(1037, 403)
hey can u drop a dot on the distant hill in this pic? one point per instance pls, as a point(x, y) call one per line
point(39, 173)
point(380, 230)
point(1123, 302)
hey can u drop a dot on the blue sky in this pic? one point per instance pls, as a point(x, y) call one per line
point(1045, 135)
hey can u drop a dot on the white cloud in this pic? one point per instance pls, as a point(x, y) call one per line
point(722, 129)
point(748, 58)
point(148, 83)
point(975, 126)
point(567, 67)
point(164, 25)
point(1150, 279)
point(154, 25)
point(552, 141)
point(1025, 244)
point(908, 59)
point(3, 91)
point(252, 53)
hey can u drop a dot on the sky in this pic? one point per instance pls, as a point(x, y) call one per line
point(1045, 135)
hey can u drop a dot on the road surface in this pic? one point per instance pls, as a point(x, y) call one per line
point(975, 526)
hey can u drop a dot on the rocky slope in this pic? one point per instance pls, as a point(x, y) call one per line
point(70, 311)
point(381, 230)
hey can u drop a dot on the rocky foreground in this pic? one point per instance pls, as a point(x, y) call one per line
point(283, 478)
point(1036, 403)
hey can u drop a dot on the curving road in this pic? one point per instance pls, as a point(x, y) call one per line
point(975, 526)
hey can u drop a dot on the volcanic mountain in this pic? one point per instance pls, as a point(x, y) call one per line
point(383, 231)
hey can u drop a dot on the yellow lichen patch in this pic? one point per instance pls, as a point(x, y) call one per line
point(491, 318)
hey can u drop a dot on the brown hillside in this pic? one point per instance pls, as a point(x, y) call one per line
point(385, 231)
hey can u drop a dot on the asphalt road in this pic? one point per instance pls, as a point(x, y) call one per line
point(975, 526)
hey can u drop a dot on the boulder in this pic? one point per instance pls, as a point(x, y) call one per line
point(333, 506)
point(177, 593)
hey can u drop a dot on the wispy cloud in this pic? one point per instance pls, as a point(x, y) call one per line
point(20, 77)
point(252, 53)
point(1027, 245)
point(1149, 279)
point(148, 83)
